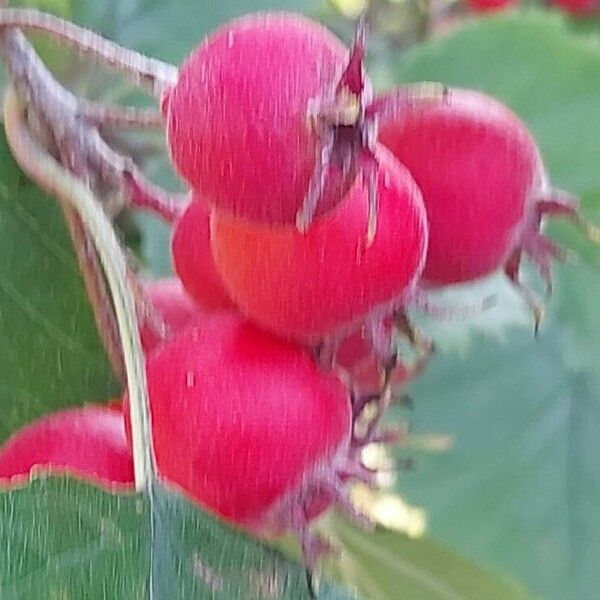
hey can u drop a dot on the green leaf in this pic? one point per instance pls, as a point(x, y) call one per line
point(385, 564)
point(499, 495)
point(63, 539)
point(51, 356)
point(63, 8)
point(520, 488)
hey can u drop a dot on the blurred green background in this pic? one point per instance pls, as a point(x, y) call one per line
point(518, 491)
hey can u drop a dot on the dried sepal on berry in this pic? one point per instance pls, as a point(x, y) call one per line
point(347, 124)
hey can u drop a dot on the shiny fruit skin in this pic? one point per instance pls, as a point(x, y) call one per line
point(238, 118)
point(243, 421)
point(306, 286)
point(88, 442)
point(479, 170)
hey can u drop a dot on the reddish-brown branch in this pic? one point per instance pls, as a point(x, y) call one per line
point(146, 72)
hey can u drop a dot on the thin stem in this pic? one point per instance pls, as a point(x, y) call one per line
point(148, 73)
point(385, 399)
point(149, 197)
point(61, 114)
point(126, 116)
point(95, 285)
point(147, 314)
point(89, 266)
point(55, 180)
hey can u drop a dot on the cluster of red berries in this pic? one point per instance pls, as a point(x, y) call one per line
point(578, 8)
point(318, 213)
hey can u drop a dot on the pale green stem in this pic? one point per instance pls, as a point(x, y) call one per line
point(53, 179)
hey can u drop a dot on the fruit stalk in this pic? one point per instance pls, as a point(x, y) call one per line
point(147, 73)
point(63, 115)
point(55, 180)
point(100, 115)
point(95, 286)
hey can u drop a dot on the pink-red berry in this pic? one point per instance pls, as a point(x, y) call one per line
point(326, 281)
point(580, 8)
point(88, 442)
point(239, 116)
point(356, 356)
point(247, 424)
point(171, 303)
point(490, 5)
point(484, 185)
point(193, 260)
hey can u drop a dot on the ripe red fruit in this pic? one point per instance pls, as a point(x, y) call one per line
point(578, 7)
point(490, 5)
point(484, 186)
point(328, 280)
point(89, 442)
point(193, 260)
point(239, 116)
point(247, 424)
point(172, 304)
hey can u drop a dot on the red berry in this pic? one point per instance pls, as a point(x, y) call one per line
point(484, 186)
point(578, 7)
point(238, 118)
point(193, 260)
point(490, 5)
point(172, 304)
point(89, 442)
point(247, 424)
point(309, 285)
